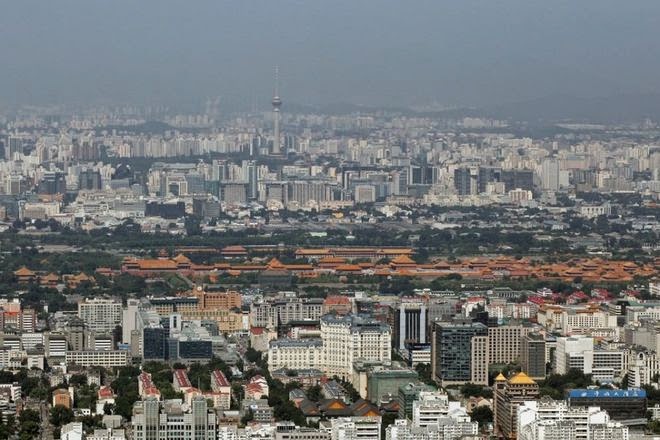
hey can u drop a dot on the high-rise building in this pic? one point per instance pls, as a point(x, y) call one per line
point(52, 183)
point(532, 355)
point(509, 395)
point(410, 324)
point(463, 182)
point(76, 334)
point(504, 343)
point(129, 320)
point(251, 177)
point(459, 352)
point(90, 180)
point(514, 179)
point(488, 175)
point(349, 338)
point(550, 174)
point(13, 147)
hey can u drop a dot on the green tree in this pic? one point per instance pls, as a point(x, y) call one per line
point(30, 424)
point(314, 393)
point(482, 415)
point(252, 355)
point(60, 415)
point(472, 390)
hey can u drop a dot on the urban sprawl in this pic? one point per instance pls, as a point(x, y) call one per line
point(373, 275)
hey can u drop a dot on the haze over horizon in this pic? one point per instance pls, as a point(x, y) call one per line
point(385, 53)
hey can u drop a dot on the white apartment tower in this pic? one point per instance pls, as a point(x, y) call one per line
point(100, 315)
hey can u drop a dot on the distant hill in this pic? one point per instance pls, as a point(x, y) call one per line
point(617, 108)
point(547, 110)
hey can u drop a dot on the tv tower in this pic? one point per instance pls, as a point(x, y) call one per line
point(277, 103)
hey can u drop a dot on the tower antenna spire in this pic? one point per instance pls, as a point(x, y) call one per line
point(277, 80)
point(277, 103)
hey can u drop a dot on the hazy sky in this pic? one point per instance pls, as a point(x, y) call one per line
point(375, 52)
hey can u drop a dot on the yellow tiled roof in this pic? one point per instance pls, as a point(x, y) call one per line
point(521, 379)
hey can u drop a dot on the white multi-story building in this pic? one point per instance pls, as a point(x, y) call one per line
point(107, 434)
point(101, 358)
point(56, 345)
point(353, 428)
point(554, 420)
point(31, 340)
point(72, 431)
point(100, 315)
point(575, 320)
point(635, 313)
point(642, 368)
point(403, 429)
point(654, 288)
point(343, 340)
point(349, 338)
point(574, 352)
point(578, 352)
point(433, 408)
point(295, 354)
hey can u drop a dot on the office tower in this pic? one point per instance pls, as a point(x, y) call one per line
point(509, 395)
point(277, 104)
point(518, 179)
point(422, 175)
point(459, 352)
point(532, 355)
point(463, 181)
point(250, 171)
point(13, 147)
point(129, 320)
point(195, 183)
point(410, 324)
point(234, 193)
point(488, 175)
point(504, 343)
point(309, 191)
point(172, 420)
point(550, 174)
point(155, 343)
point(364, 194)
point(100, 315)
point(90, 180)
point(219, 170)
point(15, 184)
point(76, 334)
point(52, 183)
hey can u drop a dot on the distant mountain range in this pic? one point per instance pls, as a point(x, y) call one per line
point(612, 109)
point(551, 109)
